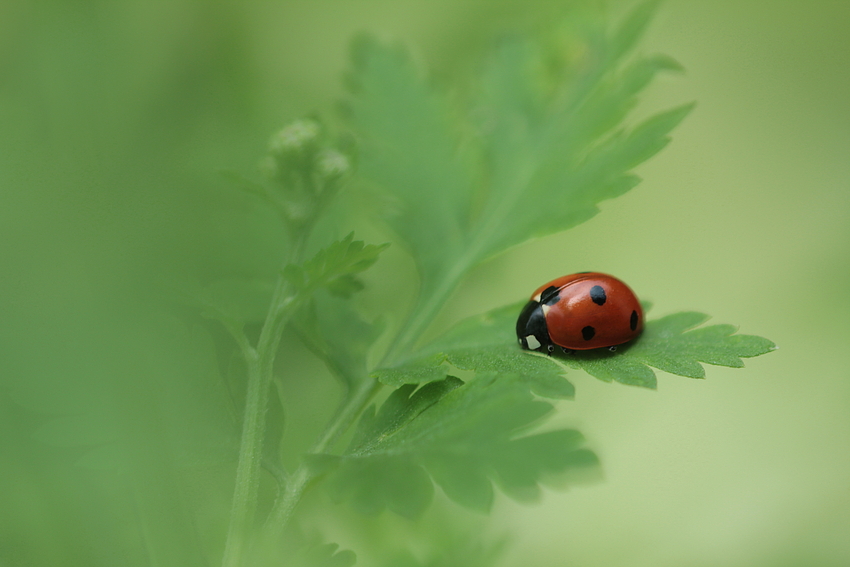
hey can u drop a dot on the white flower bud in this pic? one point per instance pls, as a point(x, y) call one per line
point(294, 137)
point(333, 164)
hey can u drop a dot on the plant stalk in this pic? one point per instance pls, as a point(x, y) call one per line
point(430, 307)
point(260, 368)
point(347, 412)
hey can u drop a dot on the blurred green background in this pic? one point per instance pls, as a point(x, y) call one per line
point(116, 117)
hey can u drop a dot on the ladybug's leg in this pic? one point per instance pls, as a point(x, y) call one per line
point(612, 348)
point(551, 349)
point(567, 350)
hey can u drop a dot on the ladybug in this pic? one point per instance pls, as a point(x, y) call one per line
point(580, 312)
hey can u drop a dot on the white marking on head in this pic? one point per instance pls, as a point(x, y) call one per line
point(532, 341)
point(536, 298)
point(545, 309)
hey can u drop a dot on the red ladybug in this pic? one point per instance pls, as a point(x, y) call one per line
point(580, 312)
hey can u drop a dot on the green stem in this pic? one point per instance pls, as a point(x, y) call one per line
point(431, 305)
point(347, 412)
point(424, 314)
point(260, 363)
point(247, 471)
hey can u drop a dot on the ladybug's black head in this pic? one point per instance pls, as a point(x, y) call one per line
point(531, 330)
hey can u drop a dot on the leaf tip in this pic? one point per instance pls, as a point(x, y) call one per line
point(634, 26)
point(667, 63)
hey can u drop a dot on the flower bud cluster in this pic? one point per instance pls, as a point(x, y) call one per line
point(305, 168)
point(297, 137)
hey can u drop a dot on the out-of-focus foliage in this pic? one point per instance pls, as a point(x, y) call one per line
point(121, 416)
point(538, 145)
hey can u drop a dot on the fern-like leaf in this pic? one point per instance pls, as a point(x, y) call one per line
point(464, 438)
point(675, 344)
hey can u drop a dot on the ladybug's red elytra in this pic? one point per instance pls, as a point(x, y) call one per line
point(580, 312)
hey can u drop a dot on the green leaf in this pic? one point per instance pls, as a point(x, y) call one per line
point(558, 148)
point(541, 376)
point(323, 555)
point(471, 437)
point(400, 408)
point(335, 332)
point(410, 149)
point(419, 371)
point(674, 344)
point(632, 28)
point(644, 141)
point(385, 482)
point(483, 330)
point(483, 343)
point(334, 267)
point(539, 145)
point(372, 484)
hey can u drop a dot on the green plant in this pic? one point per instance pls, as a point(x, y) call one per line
point(542, 123)
point(450, 176)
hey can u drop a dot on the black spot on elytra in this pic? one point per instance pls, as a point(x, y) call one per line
point(588, 332)
point(597, 294)
point(633, 321)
